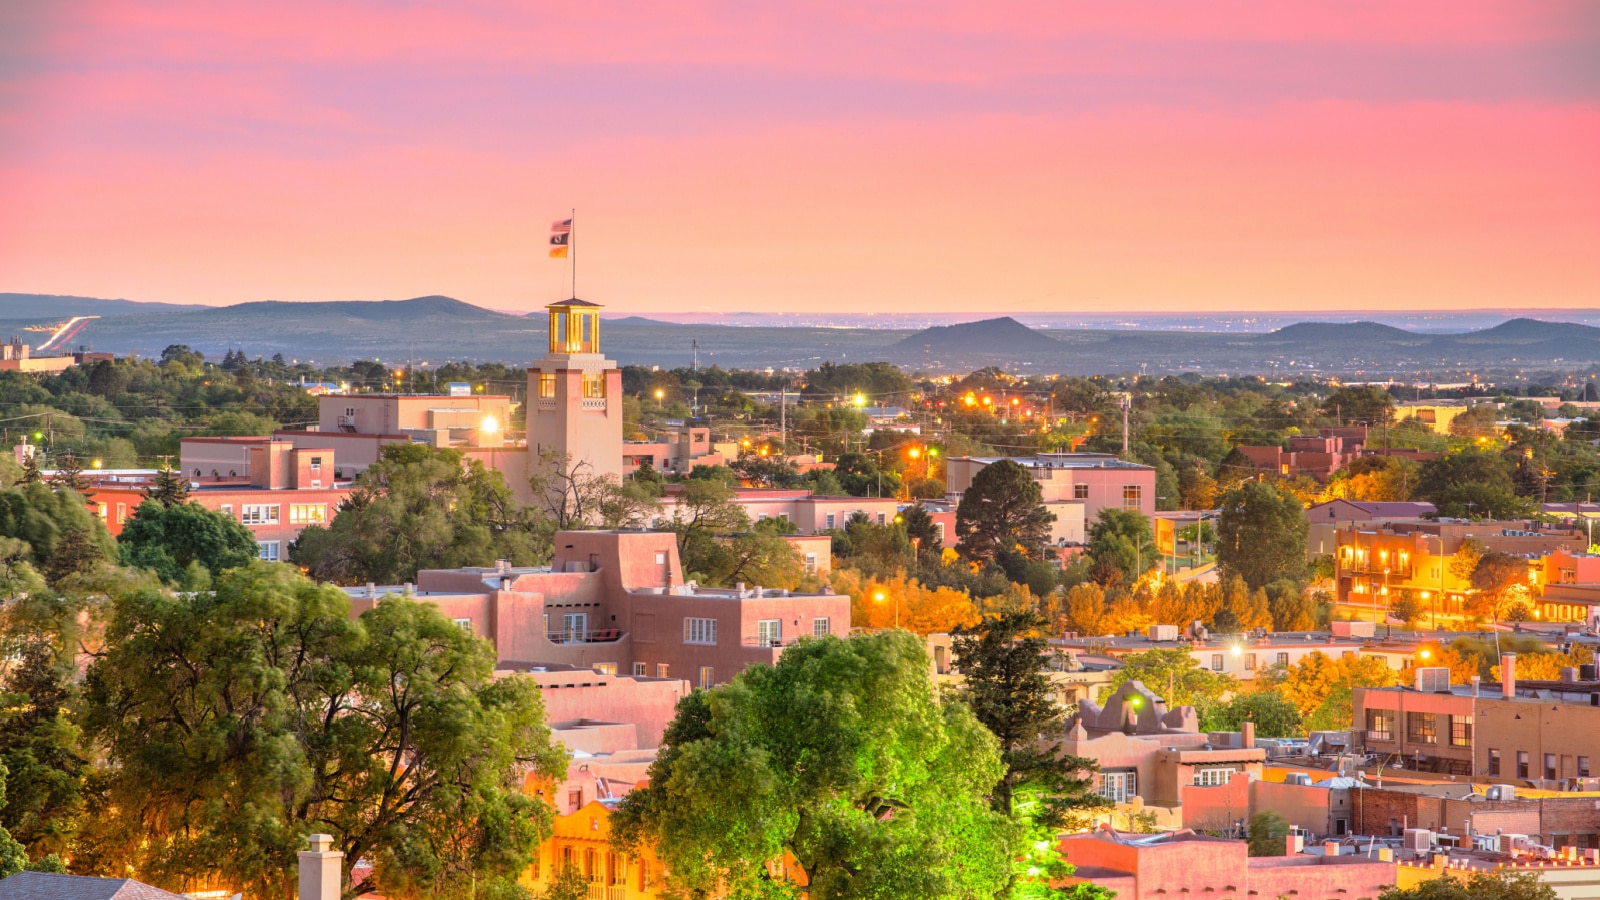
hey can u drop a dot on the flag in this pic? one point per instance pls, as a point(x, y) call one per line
point(559, 240)
point(558, 252)
point(561, 227)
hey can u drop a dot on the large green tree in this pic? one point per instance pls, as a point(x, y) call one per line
point(1002, 511)
point(1174, 676)
point(1122, 546)
point(1002, 661)
point(419, 507)
point(41, 518)
point(174, 541)
point(1471, 484)
point(843, 756)
point(234, 722)
point(1261, 534)
point(1362, 404)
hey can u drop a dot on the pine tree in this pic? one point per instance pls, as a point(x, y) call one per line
point(30, 469)
point(69, 474)
point(74, 554)
point(168, 489)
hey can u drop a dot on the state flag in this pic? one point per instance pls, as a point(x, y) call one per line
point(558, 253)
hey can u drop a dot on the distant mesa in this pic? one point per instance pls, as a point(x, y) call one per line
point(60, 306)
point(1002, 336)
point(1340, 331)
point(1535, 330)
point(628, 320)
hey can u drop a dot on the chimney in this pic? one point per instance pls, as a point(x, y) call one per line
point(410, 589)
point(1476, 682)
point(1248, 732)
point(372, 589)
point(1296, 842)
point(1508, 675)
point(1330, 848)
point(319, 869)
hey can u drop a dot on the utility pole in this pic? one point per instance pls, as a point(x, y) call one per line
point(1127, 401)
point(783, 416)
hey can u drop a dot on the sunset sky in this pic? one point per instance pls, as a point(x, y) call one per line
point(808, 155)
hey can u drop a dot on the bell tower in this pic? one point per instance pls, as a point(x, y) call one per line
point(575, 393)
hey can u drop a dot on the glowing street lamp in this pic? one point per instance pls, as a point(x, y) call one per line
point(489, 425)
point(880, 596)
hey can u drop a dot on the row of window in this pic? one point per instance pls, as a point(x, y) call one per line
point(1551, 771)
point(769, 632)
point(1249, 661)
point(1132, 495)
point(1421, 728)
point(594, 386)
point(269, 513)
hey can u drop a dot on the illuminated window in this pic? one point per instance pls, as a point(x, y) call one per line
point(1380, 724)
point(609, 668)
point(708, 676)
point(1461, 731)
point(1132, 496)
point(547, 384)
point(259, 514)
point(308, 513)
point(594, 386)
point(1421, 728)
point(699, 631)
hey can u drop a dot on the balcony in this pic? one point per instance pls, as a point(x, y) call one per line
point(598, 891)
point(575, 636)
point(771, 642)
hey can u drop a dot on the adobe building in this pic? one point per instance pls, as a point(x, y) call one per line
point(617, 602)
point(575, 394)
point(1076, 486)
point(284, 489)
point(810, 513)
point(1543, 734)
point(18, 357)
point(1183, 863)
point(1325, 520)
point(1372, 564)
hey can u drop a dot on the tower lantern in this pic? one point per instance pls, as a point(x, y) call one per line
point(574, 326)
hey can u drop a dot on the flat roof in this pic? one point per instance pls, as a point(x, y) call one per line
point(1064, 461)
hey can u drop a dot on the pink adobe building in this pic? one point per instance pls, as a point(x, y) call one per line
point(1182, 863)
point(1092, 481)
point(616, 602)
point(810, 513)
point(285, 489)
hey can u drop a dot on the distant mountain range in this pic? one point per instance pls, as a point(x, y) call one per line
point(439, 328)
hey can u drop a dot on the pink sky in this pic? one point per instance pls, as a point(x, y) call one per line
point(809, 155)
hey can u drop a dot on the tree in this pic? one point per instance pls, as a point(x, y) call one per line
point(1477, 422)
point(1261, 535)
point(30, 469)
point(416, 508)
point(1269, 709)
point(705, 512)
point(1175, 676)
point(1472, 484)
point(168, 488)
point(1321, 686)
point(1121, 541)
point(1498, 884)
point(841, 755)
point(1269, 834)
point(1493, 580)
point(1003, 509)
point(1364, 404)
point(1292, 608)
point(167, 540)
point(69, 474)
point(40, 746)
point(921, 528)
point(235, 722)
point(76, 552)
point(41, 518)
point(569, 491)
point(1002, 659)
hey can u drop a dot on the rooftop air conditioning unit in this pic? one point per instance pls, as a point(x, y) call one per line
point(1501, 792)
point(1433, 679)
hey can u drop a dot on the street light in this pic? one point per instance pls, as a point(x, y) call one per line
point(879, 597)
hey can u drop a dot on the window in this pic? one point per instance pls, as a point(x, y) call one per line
point(100, 511)
point(638, 670)
point(880, 518)
point(308, 513)
point(464, 624)
point(1461, 731)
point(1522, 764)
point(268, 551)
point(606, 668)
point(819, 628)
point(574, 627)
point(769, 632)
point(547, 384)
point(227, 509)
point(1494, 761)
point(699, 631)
point(1250, 662)
point(661, 670)
point(259, 514)
point(1550, 766)
point(122, 513)
point(811, 564)
point(1216, 662)
point(829, 521)
point(1421, 728)
point(1132, 496)
point(1212, 777)
point(594, 386)
point(708, 676)
point(1583, 767)
point(316, 463)
point(1380, 724)
point(661, 559)
point(1080, 492)
point(938, 530)
point(1283, 659)
point(1119, 787)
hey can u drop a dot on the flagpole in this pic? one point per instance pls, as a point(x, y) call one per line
point(572, 251)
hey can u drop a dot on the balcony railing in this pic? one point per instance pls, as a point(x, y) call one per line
point(576, 636)
point(771, 642)
point(598, 891)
